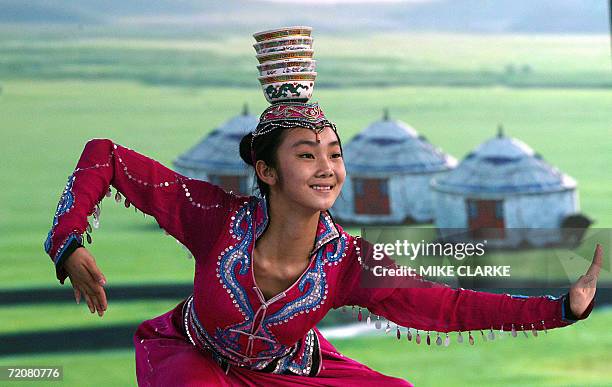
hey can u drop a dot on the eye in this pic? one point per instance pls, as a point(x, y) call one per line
point(337, 155)
point(306, 155)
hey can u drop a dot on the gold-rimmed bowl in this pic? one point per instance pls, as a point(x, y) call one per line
point(285, 55)
point(282, 32)
point(290, 66)
point(284, 44)
point(295, 87)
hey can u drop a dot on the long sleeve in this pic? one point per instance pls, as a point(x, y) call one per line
point(190, 210)
point(425, 305)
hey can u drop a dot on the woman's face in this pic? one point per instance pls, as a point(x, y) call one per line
point(310, 173)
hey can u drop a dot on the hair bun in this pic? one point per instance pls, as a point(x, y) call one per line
point(245, 149)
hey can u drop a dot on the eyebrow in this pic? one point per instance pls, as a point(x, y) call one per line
point(312, 143)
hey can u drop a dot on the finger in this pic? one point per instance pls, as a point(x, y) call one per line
point(96, 274)
point(77, 295)
point(89, 303)
point(100, 300)
point(597, 262)
point(92, 293)
point(103, 300)
point(92, 288)
point(89, 296)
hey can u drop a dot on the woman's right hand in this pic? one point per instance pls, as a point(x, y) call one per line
point(87, 280)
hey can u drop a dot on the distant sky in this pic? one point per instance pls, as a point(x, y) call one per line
point(349, 1)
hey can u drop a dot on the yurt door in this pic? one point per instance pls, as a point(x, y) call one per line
point(486, 218)
point(371, 196)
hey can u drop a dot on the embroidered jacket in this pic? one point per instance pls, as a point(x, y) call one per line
point(228, 314)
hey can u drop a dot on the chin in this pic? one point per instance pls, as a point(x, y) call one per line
point(316, 203)
point(325, 205)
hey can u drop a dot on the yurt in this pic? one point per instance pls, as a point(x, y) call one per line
point(389, 167)
point(505, 193)
point(216, 158)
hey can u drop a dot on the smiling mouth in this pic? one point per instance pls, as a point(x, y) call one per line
point(322, 188)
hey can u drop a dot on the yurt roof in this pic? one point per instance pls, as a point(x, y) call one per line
point(391, 147)
point(219, 150)
point(503, 165)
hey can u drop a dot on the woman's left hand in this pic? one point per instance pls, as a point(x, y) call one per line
point(583, 290)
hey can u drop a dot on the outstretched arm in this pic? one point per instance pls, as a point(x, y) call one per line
point(190, 210)
point(425, 305)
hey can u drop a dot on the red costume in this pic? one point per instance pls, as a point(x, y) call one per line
point(227, 333)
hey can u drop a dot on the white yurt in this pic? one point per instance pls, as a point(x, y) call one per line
point(217, 159)
point(389, 167)
point(501, 189)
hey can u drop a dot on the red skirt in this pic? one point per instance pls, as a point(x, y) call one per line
point(165, 357)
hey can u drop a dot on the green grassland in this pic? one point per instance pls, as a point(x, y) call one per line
point(26, 318)
point(46, 124)
point(390, 59)
point(161, 96)
point(574, 356)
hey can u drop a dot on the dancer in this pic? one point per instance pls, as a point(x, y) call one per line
point(268, 268)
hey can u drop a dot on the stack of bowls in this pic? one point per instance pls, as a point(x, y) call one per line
point(286, 68)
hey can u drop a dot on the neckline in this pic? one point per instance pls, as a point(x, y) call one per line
point(327, 230)
point(331, 232)
point(283, 293)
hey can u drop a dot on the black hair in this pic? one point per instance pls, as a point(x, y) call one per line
point(265, 148)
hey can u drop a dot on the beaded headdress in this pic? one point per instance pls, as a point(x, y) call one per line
point(287, 74)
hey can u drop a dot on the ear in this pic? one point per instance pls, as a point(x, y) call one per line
point(266, 173)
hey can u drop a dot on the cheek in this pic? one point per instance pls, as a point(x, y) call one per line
point(341, 173)
point(291, 180)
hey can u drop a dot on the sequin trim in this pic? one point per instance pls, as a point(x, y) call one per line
point(224, 343)
point(235, 262)
point(314, 279)
point(487, 333)
point(66, 203)
point(65, 244)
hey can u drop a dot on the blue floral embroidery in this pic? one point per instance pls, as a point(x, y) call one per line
point(335, 255)
point(227, 345)
point(306, 349)
point(235, 262)
point(48, 242)
point(65, 205)
point(236, 257)
point(329, 232)
point(275, 349)
point(229, 339)
point(315, 279)
point(241, 222)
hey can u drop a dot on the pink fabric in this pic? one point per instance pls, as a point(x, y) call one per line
point(228, 311)
point(164, 357)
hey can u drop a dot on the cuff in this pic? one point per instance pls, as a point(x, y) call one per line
point(71, 245)
point(566, 310)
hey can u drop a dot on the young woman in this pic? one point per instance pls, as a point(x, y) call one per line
point(268, 269)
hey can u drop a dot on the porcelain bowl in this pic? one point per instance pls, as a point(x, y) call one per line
point(282, 32)
point(285, 55)
point(295, 87)
point(287, 67)
point(284, 44)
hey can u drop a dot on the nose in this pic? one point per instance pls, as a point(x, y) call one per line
point(325, 169)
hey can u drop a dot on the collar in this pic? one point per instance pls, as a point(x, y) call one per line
point(327, 229)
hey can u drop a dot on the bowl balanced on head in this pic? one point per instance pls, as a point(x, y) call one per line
point(286, 68)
